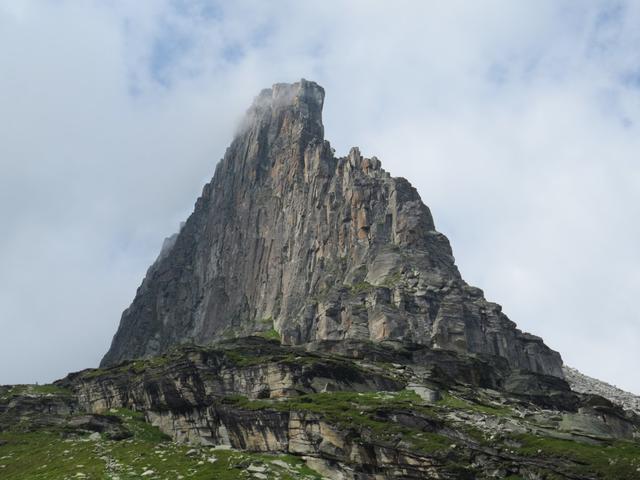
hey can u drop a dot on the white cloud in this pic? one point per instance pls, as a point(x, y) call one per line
point(517, 122)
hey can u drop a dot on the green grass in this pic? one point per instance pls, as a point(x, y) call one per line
point(32, 389)
point(244, 359)
point(614, 460)
point(360, 287)
point(136, 424)
point(241, 356)
point(336, 404)
point(41, 455)
point(270, 335)
point(137, 366)
point(46, 455)
point(362, 411)
point(392, 280)
point(458, 403)
point(141, 365)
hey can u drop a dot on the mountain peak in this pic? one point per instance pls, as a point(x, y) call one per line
point(289, 239)
point(293, 109)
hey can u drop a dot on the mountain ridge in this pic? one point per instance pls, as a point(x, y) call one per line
point(579, 382)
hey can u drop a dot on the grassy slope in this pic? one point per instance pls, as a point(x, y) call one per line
point(46, 455)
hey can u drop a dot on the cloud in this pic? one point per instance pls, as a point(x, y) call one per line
point(518, 124)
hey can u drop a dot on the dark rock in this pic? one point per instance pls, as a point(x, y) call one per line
point(110, 425)
point(34, 411)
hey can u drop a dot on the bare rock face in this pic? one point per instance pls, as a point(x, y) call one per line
point(584, 384)
point(288, 237)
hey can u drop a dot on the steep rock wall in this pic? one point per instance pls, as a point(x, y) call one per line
point(289, 237)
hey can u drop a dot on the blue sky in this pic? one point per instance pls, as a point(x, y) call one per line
point(516, 121)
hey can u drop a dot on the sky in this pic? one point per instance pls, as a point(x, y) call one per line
point(518, 123)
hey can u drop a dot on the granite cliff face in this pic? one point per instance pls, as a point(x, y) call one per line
point(288, 237)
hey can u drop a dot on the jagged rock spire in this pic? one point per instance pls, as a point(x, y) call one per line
point(290, 110)
point(288, 237)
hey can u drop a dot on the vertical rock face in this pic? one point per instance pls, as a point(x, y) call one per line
point(288, 237)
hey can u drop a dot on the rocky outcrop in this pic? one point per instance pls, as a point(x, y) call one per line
point(359, 410)
point(25, 406)
point(582, 383)
point(288, 237)
point(192, 377)
point(346, 409)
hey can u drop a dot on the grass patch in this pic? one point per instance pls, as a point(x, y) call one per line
point(360, 287)
point(32, 389)
point(143, 364)
point(614, 460)
point(458, 403)
point(46, 455)
point(136, 424)
point(365, 411)
point(271, 334)
point(242, 358)
point(392, 280)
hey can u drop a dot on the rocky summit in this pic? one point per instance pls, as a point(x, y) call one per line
point(309, 322)
point(287, 237)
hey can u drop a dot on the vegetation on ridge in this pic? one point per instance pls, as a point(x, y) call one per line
point(34, 389)
point(366, 411)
